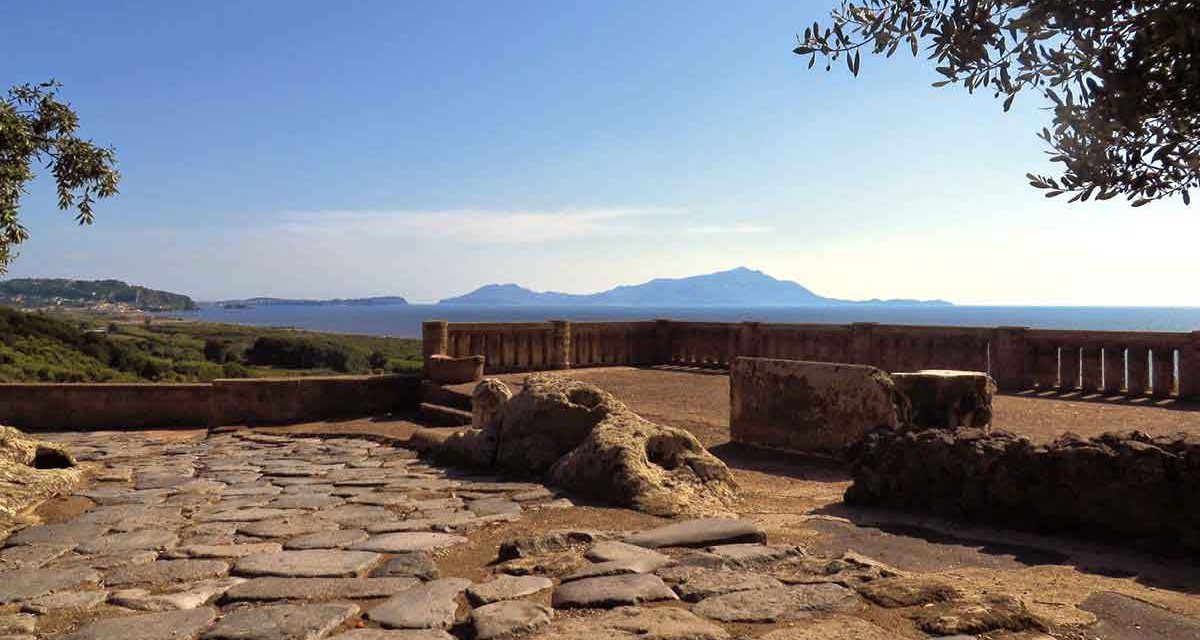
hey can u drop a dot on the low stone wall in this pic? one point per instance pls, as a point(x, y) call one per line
point(1127, 485)
point(43, 407)
point(277, 400)
point(814, 407)
point(48, 407)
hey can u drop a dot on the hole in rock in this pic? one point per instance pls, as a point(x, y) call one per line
point(47, 458)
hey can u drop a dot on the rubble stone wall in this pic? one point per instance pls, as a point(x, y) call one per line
point(1125, 485)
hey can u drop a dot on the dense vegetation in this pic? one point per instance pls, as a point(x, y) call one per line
point(41, 292)
point(37, 346)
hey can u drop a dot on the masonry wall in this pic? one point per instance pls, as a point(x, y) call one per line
point(45, 407)
point(1124, 485)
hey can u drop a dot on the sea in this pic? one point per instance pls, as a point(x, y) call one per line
point(404, 321)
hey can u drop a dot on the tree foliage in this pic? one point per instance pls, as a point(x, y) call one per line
point(35, 127)
point(1123, 77)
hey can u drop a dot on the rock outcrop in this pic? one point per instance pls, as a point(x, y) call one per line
point(31, 471)
point(579, 437)
point(1124, 484)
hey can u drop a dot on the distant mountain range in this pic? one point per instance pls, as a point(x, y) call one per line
point(739, 287)
point(376, 301)
point(107, 295)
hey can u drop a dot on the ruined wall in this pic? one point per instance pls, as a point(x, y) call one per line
point(45, 407)
point(34, 407)
point(813, 407)
point(1126, 485)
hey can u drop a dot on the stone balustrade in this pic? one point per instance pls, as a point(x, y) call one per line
point(1133, 363)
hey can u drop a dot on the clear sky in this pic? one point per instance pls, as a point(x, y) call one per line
point(422, 149)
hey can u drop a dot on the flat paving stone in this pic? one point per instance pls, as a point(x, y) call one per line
point(187, 596)
point(507, 588)
point(778, 605)
point(1124, 618)
point(638, 623)
point(286, 528)
point(417, 564)
point(702, 532)
point(249, 514)
point(77, 600)
point(709, 583)
point(843, 628)
point(167, 571)
point(229, 550)
point(317, 589)
point(511, 617)
point(141, 539)
point(31, 556)
point(753, 555)
point(441, 523)
point(493, 506)
point(427, 606)
point(25, 584)
point(172, 625)
point(609, 550)
point(611, 591)
point(357, 515)
point(282, 622)
point(394, 634)
point(405, 542)
point(616, 568)
point(304, 501)
point(308, 563)
point(105, 562)
point(63, 533)
point(327, 539)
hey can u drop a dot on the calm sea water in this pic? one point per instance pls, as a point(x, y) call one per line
point(405, 320)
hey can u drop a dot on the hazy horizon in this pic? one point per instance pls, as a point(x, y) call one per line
point(274, 149)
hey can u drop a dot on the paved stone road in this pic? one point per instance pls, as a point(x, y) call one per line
point(255, 537)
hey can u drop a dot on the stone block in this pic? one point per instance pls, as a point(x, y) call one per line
point(446, 370)
point(947, 399)
point(814, 407)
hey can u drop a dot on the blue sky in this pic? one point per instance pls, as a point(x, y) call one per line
point(423, 149)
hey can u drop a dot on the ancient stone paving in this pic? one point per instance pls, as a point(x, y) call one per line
point(249, 536)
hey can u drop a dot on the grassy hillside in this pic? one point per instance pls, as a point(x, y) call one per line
point(50, 292)
point(45, 347)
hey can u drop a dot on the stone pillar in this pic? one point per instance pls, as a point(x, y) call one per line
point(1069, 368)
point(1008, 352)
point(1114, 370)
point(1139, 371)
point(435, 339)
point(560, 345)
point(1164, 372)
point(747, 340)
point(1091, 369)
point(1189, 368)
point(862, 343)
point(662, 340)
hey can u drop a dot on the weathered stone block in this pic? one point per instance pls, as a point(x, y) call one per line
point(813, 407)
point(947, 399)
point(446, 370)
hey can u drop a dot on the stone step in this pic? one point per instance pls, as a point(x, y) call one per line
point(434, 393)
point(443, 416)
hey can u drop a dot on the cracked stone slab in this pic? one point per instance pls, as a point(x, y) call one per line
point(72, 532)
point(708, 583)
point(317, 589)
point(31, 556)
point(166, 571)
point(282, 622)
point(612, 591)
point(776, 605)
point(327, 539)
point(309, 563)
point(406, 542)
point(610, 550)
point(304, 501)
point(249, 514)
point(357, 515)
point(507, 588)
point(617, 567)
point(428, 606)
point(78, 600)
point(187, 596)
point(286, 528)
point(172, 625)
point(511, 617)
point(417, 565)
point(703, 532)
point(26, 584)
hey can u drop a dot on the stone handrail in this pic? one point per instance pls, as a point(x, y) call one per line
point(1135, 363)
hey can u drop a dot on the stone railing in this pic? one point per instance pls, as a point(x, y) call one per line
point(1133, 363)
